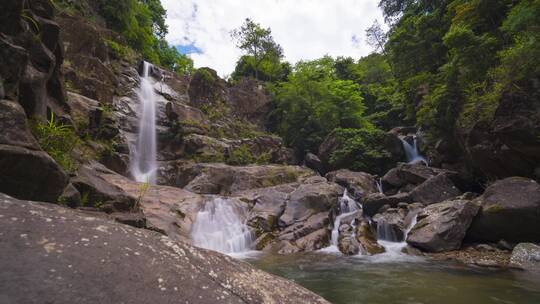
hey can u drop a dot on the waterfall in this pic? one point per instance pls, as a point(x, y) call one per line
point(394, 248)
point(380, 186)
point(219, 227)
point(411, 152)
point(348, 207)
point(143, 158)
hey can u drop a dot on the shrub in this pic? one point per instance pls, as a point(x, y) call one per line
point(241, 156)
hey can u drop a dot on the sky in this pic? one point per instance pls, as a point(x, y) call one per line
point(306, 29)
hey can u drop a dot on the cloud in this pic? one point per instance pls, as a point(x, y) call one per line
point(306, 29)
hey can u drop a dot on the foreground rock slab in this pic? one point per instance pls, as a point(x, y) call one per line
point(51, 254)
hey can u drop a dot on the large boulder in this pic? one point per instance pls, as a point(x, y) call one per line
point(510, 210)
point(53, 254)
point(249, 101)
point(434, 190)
point(359, 184)
point(309, 199)
point(373, 202)
point(526, 256)
point(27, 172)
point(442, 226)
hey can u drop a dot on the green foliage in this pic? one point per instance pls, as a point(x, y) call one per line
point(313, 102)
point(241, 156)
point(361, 150)
point(57, 140)
point(142, 24)
point(120, 51)
point(263, 53)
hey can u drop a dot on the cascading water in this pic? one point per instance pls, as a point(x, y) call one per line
point(380, 186)
point(348, 207)
point(143, 158)
point(411, 152)
point(219, 227)
point(394, 248)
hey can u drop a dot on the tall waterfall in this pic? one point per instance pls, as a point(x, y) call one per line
point(348, 207)
point(143, 158)
point(219, 227)
point(411, 152)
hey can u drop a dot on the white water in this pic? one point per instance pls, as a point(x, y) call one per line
point(219, 227)
point(411, 152)
point(143, 158)
point(380, 186)
point(394, 249)
point(348, 206)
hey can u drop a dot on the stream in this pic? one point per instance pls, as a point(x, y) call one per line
point(389, 279)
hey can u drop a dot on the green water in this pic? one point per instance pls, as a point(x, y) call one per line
point(391, 279)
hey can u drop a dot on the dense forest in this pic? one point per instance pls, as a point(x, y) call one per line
point(442, 66)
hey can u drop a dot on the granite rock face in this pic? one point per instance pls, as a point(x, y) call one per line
point(53, 254)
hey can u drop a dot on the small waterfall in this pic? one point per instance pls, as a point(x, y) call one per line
point(394, 248)
point(385, 232)
point(219, 227)
point(143, 158)
point(411, 152)
point(347, 207)
point(380, 186)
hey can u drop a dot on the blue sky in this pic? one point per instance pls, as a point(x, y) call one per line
point(306, 29)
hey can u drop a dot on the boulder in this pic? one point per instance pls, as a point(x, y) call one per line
point(27, 171)
point(71, 196)
point(347, 243)
point(311, 242)
point(248, 100)
point(358, 184)
point(268, 205)
point(526, 256)
point(373, 202)
point(510, 210)
point(96, 191)
point(206, 88)
point(310, 199)
point(367, 240)
point(442, 226)
point(66, 254)
point(217, 178)
point(313, 162)
point(434, 190)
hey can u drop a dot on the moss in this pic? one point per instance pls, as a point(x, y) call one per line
point(241, 156)
point(493, 208)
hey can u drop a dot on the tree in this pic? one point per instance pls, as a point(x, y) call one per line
point(376, 37)
point(258, 43)
point(313, 102)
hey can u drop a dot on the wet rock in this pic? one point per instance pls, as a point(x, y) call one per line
point(373, 202)
point(311, 242)
point(526, 256)
point(510, 210)
point(435, 189)
point(53, 246)
point(442, 226)
point(347, 243)
point(359, 184)
point(367, 240)
point(391, 224)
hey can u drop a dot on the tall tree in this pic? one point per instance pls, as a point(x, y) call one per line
point(376, 37)
point(257, 42)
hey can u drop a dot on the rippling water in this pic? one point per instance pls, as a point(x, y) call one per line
point(390, 280)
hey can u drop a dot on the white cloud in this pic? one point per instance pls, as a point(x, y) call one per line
point(306, 29)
